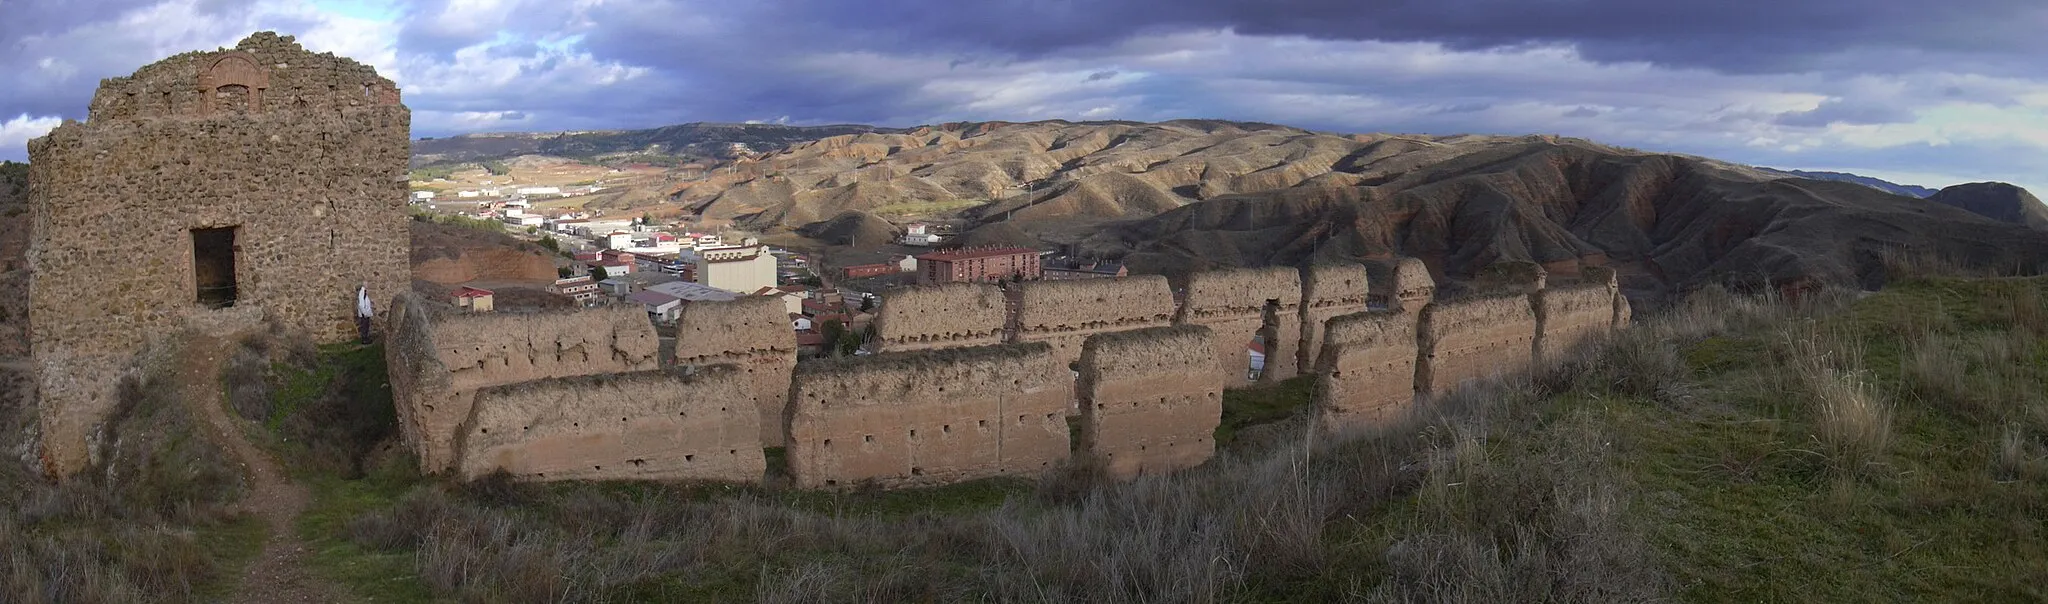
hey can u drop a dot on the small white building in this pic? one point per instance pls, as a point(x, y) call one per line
point(920, 235)
point(538, 190)
point(661, 308)
point(422, 195)
point(524, 220)
point(736, 268)
point(617, 240)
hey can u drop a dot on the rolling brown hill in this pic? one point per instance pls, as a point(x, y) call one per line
point(1997, 201)
point(1184, 195)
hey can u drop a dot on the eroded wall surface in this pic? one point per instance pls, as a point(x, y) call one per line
point(1150, 399)
point(1236, 303)
point(1064, 313)
point(304, 154)
point(929, 417)
point(1476, 338)
point(753, 333)
point(951, 315)
point(1401, 282)
point(648, 425)
point(1569, 315)
point(1367, 372)
point(438, 360)
point(1327, 291)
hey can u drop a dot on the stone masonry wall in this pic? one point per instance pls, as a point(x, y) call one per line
point(1327, 291)
point(1064, 313)
point(1475, 338)
point(951, 315)
point(267, 138)
point(648, 425)
point(1368, 368)
point(929, 416)
point(1150, 402)
point(751, 332)
point(1234, 303)
point(438, 361)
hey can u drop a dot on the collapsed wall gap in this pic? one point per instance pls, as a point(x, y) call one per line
point(213, 266)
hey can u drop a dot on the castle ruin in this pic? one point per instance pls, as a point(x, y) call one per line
point(262, 180)
point(970, 381)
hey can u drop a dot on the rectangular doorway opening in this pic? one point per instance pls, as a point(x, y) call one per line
point(213, 266)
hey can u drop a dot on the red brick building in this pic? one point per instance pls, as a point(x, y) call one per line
point(978, 264)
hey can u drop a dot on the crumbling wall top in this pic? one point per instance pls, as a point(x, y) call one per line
point(264, 74)
point(1180, 350)
point(1048, 305)
point(957, 314)
point(1377, 328)
point(1326, 285)
point(1243, 291)
point(746, 324)
point(838, 382)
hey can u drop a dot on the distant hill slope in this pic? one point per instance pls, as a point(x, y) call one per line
point(694, 140)
point(1888, 186)
point(1998, 201)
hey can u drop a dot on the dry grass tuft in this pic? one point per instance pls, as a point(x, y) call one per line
point(1852, 424)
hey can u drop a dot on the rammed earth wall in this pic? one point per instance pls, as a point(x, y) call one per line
point(752, 333)
point(1150, 402)
point(929, 417)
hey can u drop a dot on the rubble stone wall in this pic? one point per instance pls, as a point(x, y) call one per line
point(752, 332)
point(1239, 304)
point(1150, 402)
point(648, 425)
point(929, 417)
point(278, 143)
point(951, 315)
point(439, 359)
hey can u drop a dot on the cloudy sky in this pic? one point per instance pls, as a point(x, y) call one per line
point(1928, 93)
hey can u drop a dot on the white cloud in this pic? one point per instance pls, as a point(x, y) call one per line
point(15, 133)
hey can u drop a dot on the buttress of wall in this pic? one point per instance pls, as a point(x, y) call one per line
point(950, 315)
point(1569, 315)
point(1475, 338)
point(754, 333)
point(1327, 291)
point(1401, 282)
point(1367, 371)
point(648, 425)
point(316, 197)
point(929, 416)
point(1064, 313)
point(446, 357)
point(1235, 303)
point(1606, 277)
point(1150, 401)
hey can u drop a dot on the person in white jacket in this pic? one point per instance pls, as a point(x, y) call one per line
point(363, 312)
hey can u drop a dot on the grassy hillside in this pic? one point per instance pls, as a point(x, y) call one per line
point(1889, 448)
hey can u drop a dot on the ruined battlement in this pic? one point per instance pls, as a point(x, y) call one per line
point(1146, 394)
point(658, 425)
point(263, 76)
point(245, 183)
point(940, 316)
point(928, 416)
point(752, 333)
point(438, 361)
point(1403, 282)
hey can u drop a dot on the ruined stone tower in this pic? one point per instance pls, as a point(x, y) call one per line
point(259, 180)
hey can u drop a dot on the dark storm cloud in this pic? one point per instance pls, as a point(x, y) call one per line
point(1730, 35)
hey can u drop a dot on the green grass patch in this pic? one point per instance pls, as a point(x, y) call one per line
point(1266, 403)
point(371, 575)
